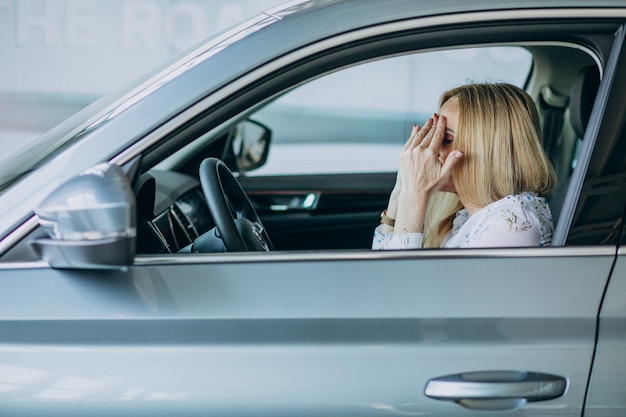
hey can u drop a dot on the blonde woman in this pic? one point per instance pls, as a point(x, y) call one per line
point(474, 175)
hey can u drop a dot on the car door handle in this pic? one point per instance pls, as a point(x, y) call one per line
point(496, 390)
point(279, 202)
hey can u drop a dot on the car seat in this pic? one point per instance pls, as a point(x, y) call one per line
point(564, 151)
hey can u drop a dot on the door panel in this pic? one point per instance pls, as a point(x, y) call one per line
point(607, 391)
point(298, 334)
point(311, 212)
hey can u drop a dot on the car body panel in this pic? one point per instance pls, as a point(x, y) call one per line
point(220, 335)
point(606, 393)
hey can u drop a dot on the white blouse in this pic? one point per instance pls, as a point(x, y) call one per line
point(513, 221)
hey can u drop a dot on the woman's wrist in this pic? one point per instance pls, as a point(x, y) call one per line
point(411, 212)
point(392, 205)
point(405, 211)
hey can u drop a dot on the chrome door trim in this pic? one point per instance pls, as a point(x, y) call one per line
point(364, 255)
point(19, 233)
point(12, 266)
point(133, 151)
point(352, 255)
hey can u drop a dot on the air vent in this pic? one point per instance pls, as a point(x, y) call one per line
point(187, 226)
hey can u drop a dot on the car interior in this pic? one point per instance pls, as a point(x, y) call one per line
point(332, 211)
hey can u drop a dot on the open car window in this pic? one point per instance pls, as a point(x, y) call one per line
point(336, 138)
point(357, 119)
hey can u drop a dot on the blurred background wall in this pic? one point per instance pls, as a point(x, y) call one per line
point(60, 55)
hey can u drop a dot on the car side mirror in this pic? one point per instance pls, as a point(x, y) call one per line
point(90, 220)
point(250, 145)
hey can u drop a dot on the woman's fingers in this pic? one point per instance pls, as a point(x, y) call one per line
point(436, 134)
point(452, 159)
point(419, 138)
point(414, 132)
point(420, 153)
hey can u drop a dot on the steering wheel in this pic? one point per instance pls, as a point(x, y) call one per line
point(237, 222)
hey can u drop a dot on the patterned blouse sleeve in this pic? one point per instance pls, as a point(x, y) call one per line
point(391, 241)
point(506, 226)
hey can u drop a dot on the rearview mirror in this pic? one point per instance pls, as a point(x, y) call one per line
point(90, 220)
point(250, 145)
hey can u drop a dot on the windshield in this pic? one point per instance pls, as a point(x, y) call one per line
point(27, 152)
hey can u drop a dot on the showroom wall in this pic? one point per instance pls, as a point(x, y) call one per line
point(60, 55)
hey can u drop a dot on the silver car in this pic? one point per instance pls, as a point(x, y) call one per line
point(139, 276)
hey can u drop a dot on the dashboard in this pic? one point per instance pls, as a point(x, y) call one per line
point(172, 210)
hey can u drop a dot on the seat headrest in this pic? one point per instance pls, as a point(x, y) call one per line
point(582, 96)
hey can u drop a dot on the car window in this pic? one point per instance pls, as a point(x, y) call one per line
point(357, 119)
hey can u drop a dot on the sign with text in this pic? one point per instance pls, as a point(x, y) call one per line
point(94, 46)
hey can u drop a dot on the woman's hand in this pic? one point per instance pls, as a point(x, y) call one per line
point(392, 205)
point(424, 166)
point(424, 169)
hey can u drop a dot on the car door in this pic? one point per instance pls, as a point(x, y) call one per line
point(323, 211)
point(510, 331)
point(430, 332)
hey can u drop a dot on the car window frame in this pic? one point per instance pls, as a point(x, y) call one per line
point(241, 95)
point(326, 63)
point(601, 136)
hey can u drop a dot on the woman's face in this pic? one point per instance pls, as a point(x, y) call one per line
point(450, 110)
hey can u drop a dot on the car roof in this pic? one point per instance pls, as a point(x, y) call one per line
point(364, 11)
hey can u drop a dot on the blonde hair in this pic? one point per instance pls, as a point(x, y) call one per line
point(499, 134)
